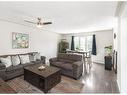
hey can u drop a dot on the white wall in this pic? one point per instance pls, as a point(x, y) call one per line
point(117, 48)
point(115, 30)
point(103, 38)
point(42, 41)
point(123, 49)
point(121, 46)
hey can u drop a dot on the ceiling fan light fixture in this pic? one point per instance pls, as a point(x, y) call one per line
point(39, 25)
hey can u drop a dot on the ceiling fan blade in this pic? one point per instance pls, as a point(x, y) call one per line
point(45, 23)
point(29, 21)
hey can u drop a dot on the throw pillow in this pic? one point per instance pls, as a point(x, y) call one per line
point(37, 56)
point(6, 61)
point(15, 60)
point(31, 57)
point(24, 59)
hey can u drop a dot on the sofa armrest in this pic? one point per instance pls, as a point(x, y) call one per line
point(2, 71)
point(77, 63)
point(2, 66)
point(53, 59)
point(43, 58)
point(77, 69)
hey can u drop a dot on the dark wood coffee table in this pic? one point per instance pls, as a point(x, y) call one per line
point(5, 88)
point(45, 79)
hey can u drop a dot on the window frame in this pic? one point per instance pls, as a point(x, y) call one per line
point(86, 42)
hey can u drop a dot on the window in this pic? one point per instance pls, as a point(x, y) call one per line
point(83, 43)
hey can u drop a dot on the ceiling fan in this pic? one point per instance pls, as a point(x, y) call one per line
point(39, 23)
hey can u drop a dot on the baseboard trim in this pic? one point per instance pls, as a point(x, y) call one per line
point(98, 62)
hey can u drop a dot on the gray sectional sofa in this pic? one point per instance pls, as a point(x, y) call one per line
point(9, 72)
point(70, 64)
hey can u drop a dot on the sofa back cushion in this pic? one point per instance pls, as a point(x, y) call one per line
point(6, 61)
point(15, 60)
point(68, 56)
point(24, 58)
point(65, 60)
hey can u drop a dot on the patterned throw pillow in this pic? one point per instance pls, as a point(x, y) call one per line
point(37, 56)
point(15, 60)
point(31, 56)
point(24, 59)
point(6, 61)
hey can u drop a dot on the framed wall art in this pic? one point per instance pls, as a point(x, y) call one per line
point(20, 40)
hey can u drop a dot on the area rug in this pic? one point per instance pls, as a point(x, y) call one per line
point(67, 85)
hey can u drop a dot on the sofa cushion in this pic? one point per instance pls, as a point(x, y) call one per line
point(2, 66)
point(15, 60)
point(13, 68)
point(17, 67)
point(68, 56)
point(28, 64)
point(58, 64)
point(9, 68)
point(6, 61)
point(66, 61)
point(37, 61)
point(24, 59)
point(63, 65)
point(67, 66)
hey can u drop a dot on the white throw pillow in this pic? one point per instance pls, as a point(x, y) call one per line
point(37, 56)
point(24, 59)
point(32, 57)
point(6, 61)
point(15, 60)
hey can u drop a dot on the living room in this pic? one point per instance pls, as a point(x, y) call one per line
point(40, 26)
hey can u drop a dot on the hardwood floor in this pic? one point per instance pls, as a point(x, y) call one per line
point(99, 80)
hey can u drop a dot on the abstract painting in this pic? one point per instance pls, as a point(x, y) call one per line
point(20, 40)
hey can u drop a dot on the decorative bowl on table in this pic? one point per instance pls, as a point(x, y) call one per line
point(41, 68)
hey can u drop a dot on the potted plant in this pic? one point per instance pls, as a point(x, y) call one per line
point(108, 50)
point(63, 45)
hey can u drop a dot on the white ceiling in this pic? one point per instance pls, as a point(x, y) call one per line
point(67, 17)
